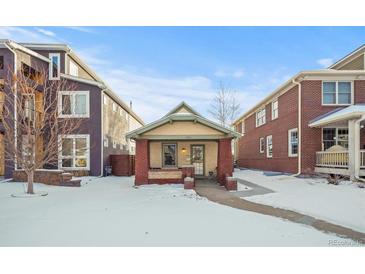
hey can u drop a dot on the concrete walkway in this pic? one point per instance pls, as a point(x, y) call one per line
point(255, 189)
point(218, 194)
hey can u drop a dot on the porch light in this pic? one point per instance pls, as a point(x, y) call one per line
point(183, 150)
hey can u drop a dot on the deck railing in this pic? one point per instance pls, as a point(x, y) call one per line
point(337, 158)
point(332, 158)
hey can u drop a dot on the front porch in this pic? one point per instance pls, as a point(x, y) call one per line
point(343, 146)
point(337, 162)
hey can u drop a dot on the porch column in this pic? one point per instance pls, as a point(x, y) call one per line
point(141, 162)
point(354, 149)
point(225, 160)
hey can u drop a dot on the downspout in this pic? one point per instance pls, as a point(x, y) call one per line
point(357, 122)
point(299, 127)
point(15, 103)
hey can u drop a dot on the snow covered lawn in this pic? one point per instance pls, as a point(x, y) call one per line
point(110, 212)
point(343, 204)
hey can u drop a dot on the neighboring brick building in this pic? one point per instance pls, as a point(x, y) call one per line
point(168, 149)
point(312, 123)
point(105, 117)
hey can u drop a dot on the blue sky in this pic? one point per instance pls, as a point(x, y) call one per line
point(158, 67)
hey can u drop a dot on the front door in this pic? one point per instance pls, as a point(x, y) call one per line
point(197, 159)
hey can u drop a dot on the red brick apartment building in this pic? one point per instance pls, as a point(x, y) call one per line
point(312, 123)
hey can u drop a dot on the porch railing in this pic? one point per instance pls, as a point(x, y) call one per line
point(337, 158)
point(332, 158)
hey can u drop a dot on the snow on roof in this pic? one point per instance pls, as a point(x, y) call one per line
point(350, 112)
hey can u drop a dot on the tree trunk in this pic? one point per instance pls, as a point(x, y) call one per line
point(30, 182)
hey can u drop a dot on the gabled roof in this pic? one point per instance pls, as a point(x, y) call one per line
point(349, 56)
point(174, 116)
point(183, 105)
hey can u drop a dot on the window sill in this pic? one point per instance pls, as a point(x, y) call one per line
point(74, 168)
point(335, 105)
point(73, 116)
point(293, 156)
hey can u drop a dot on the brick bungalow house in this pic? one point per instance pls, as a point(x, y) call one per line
point(312, 123)
point(106, 118)
point(180, 140)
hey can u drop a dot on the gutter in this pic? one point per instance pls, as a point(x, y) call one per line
point(299, 126)
point(102, 132)
point(15, 99)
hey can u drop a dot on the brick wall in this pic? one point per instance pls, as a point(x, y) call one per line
point(225, 160)
point(248, 146)
point(141, 162)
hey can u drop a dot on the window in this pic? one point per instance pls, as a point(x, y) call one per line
point(293, 142)
point(106, 141)
point(29, 106)
point(105, 100)
point(54, 66)
point(75, 152)
point(260, 117)
point(274, 110)
point(243, 128)
point(114, 144)
point(169, 155)
point(335, 136)
point(269, 146)
point(74, 69)
point(31, 73)
point(73, 104)
point(121, 112)
point(114, 107)
point(28, 150)
point(262, 145)
point(336, 93)
point(1, 62)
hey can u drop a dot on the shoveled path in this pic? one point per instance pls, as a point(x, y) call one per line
point(218, 194)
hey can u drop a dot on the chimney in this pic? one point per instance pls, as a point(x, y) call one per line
point(130, 104)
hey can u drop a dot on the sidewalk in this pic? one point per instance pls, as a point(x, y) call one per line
point(218, 194)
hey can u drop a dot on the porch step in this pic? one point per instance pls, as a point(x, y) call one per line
point(66, 176)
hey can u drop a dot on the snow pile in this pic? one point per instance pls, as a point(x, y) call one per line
point(109, 211)
point(343, 204)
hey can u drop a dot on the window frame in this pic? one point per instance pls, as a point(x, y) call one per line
point(114, 144)
point(74, 156)
point(73, 65)
point(290, 148)
point(114, 107)
point(50, 67)
point(336, 93)
point(243, 129)
point(163, 156)
point(106, 141)
point(73, 95)
point(263, 117)
point(262, 145)
point(267, 146)
point(336, 134)
point(105, 99)
point(277, 109)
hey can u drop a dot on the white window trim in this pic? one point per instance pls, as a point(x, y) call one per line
point(290, 154)
point(74, 136)
point(75, 66)
point(336, 81)
point(106, 141)
point(261, 149)
point(73, 94)
point(264, 120)
point(50, 67)
point(114, 107)
point(114, 144)
point(272, 109)
point(267, 146)
point(337, 128)
point(243, 128)
point(105, 99)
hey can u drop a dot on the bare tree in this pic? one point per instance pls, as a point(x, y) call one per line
point(30, 117)
point(225, 106)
